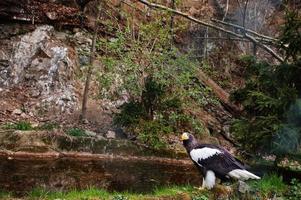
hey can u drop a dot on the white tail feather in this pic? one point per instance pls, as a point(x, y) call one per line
point(242, 174)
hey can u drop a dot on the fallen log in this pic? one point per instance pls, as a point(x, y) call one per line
point(220, 93)
point(81, 156)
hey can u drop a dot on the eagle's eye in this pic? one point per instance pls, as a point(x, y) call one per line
point(185, 136)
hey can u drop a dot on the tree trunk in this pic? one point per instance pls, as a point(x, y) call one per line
point(83, 116)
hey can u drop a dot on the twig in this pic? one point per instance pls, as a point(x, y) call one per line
point(226, 12)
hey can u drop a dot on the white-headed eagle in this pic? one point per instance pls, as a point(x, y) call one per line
point(214, 161)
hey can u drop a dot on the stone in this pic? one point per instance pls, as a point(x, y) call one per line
point(17, 112)
point(44, 63)
point(111, 135)
point(52, 15)
point(23, 115)
point(90, 133)
point(243, 187)
point(100, 137)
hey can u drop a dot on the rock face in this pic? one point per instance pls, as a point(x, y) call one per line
point(43, 65)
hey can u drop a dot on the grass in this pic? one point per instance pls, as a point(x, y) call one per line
point(76, 132)
point(172, 192)
point(21, 125)
point(269, 185)
point(5, 195)
point(27, 126)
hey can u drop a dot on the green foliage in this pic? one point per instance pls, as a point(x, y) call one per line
point(173, 190)
point(270, 99)
point(200, 197)
point(27, 126)
point(5, 195)
point(21, 125)
point(48, 126)
point(88, 194)
point(76, 132)
point(294, 191)
point(120, 197)
point(269, 185)
point(38, 193)
point(291, 37)
point(151, 133)
point(130, 114)
point(158, 79)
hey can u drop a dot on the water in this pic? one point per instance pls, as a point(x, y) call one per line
point(21, 172)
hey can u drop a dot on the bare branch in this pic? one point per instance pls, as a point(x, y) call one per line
point(268, 49)
point(268, 38)
point(185, 15)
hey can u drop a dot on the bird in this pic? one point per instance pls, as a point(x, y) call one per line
point(214, 162)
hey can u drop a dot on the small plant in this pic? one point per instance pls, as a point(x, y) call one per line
point(38, 193)
point(200, 197)
point(120, 197)
point(21, 125)
point(76, 132)
point(294, 191)
point(48, 126)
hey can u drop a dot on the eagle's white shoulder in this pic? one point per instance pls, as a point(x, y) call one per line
point(203, 153)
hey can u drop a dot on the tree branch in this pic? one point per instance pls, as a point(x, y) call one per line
point(268, 49)
point(267, 38)
point(185, 15)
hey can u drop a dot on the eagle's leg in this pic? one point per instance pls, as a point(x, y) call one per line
point(203, 187)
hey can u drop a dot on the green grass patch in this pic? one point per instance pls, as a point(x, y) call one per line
point(90, 193)
point(49, 126)
point(27, 126)
point(172, 192)
point(5, 195)
point(269, 185)
point(21, 125)
point(76, 132)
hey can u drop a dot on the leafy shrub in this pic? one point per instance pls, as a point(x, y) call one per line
point(151, 132)
point(130, 114)
point(294, 191)
point(76, 132)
